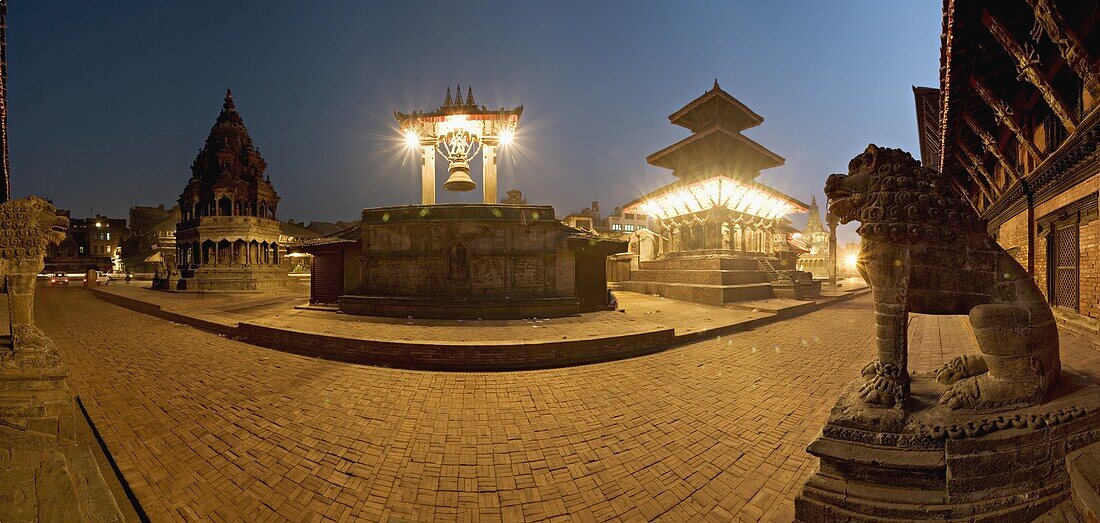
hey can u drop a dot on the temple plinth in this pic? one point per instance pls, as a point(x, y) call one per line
point(716, 222)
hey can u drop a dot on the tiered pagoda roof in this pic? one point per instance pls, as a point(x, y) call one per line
point(716, 165)
point(716, 146)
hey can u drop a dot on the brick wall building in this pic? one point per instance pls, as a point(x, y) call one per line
point(1017, 131)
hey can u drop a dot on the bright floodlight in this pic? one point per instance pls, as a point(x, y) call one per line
point(850, 261)
point(507, 137)
point(412, 139)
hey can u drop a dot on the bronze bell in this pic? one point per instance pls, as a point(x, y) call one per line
point(460, 177)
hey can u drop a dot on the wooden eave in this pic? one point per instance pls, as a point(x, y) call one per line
point(800, 206)
point(702, 147)
point(701, 112)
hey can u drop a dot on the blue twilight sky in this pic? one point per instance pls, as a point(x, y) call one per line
point(110, 101)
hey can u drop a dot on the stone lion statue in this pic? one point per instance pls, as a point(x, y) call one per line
point(27, 227)
point(925, 250)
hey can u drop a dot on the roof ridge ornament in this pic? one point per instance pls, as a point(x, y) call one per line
point(716, 85)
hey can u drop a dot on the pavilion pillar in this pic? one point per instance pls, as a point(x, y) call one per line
point(427, 174)
point(489, 170)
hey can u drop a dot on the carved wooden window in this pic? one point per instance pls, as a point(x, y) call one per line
point(1062, 229)
point(1066, 258)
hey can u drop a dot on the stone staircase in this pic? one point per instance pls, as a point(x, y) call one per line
point(766, 265)
point(711, 280)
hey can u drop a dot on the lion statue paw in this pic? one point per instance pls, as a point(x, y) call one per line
point(960, 368)
point(884, 386)
point(987, 392)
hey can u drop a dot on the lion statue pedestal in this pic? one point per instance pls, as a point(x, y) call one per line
point(46, 472)
point(983, 438)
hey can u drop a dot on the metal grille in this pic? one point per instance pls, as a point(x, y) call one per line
point(1065, 267)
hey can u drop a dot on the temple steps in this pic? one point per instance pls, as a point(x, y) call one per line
point(702, 277)
point(714, 263)
point(707, 279)
point(701, 293)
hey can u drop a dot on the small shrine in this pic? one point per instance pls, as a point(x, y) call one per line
point(228, 235)
point(716, 217)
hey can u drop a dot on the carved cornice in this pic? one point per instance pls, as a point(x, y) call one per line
point(1027, 64)
point(1074, 161)
point(1069, 45)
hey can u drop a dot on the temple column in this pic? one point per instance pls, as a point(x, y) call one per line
point(489, 170)
point(427, 174)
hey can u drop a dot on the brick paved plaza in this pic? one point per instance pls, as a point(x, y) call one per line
point(206, 428)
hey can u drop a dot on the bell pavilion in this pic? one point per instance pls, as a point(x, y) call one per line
point(716, 222)
point(228, 236)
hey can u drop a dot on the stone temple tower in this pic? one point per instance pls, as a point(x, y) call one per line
point(228, 235)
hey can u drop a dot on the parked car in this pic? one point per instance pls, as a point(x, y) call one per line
point(59, 278)
point(102, 278)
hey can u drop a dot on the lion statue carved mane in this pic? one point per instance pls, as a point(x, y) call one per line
point(925, 250)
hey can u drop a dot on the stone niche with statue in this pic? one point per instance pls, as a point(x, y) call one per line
point(984, 437)
point(477, 261)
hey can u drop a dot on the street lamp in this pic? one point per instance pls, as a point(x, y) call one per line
point(833, 220)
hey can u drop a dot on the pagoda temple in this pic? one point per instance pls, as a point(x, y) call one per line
point(716, 222)
point(228, 236)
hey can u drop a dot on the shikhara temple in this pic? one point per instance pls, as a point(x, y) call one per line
point(228, 235)
point(716, 216)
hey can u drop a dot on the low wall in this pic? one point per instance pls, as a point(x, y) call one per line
point(458, 357)
point(155, 310)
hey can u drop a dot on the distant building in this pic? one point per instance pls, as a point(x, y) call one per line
point(627, 222)
point(91, 243)
point(151, 239)
point(515, 197)
point(587, 218)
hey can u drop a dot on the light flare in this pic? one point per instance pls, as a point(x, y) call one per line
point(713, 193)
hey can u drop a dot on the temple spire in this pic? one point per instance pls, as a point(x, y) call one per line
point(228, 105)
point(447, 100)
point(470, 95)
point(716, 84)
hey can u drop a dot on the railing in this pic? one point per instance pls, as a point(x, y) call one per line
point(227, 220)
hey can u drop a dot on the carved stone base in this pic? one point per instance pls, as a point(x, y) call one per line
point(45, 474)
point(927, 462)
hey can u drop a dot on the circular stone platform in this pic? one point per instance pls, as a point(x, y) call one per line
point(460, 345)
